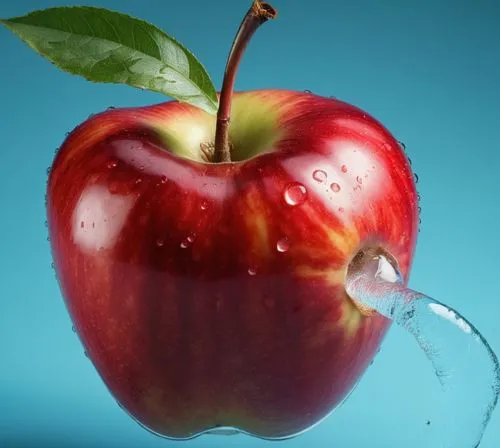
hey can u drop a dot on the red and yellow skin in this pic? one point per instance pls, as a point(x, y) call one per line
point(212, 294)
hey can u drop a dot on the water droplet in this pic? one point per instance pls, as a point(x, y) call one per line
point(416, 178)
point(138, 181)
point(163, 179)
point(188, 241)
point(73, 329)
point(110, 108)
point(343, 168)
point(295, 194)
point(46, 223)
point(112, 164)
point(47, 171)
point(252, 271)
point(283, 245)
point(86, 354)
point(160, 242)
point(319, 176)
point(307, 91)
point(53, 266)
point(402, 145)
point(141, 168)
point(341, 209)
point(466, 367)
point(204, 205)
point(359, 180)
point(335, 187)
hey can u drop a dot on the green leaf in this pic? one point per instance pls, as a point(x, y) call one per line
point(108, 46)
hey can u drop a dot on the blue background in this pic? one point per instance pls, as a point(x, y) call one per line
point(429, 70)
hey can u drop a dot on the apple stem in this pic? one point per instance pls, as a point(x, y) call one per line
point(258, 14)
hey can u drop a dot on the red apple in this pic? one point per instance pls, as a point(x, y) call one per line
point(212, 294)
point(202, 259)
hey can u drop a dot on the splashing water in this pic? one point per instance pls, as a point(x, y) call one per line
point(465, 365)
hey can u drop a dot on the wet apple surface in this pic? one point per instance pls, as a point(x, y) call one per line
point(213, 294)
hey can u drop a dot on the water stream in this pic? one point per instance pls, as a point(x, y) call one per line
point(464, 363)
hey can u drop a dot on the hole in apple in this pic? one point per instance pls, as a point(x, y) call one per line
point(373, 260)
point(376, 261)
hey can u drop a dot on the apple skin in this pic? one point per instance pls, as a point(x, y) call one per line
point(212, 295)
